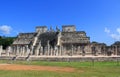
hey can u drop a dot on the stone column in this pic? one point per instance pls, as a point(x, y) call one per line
point(12, 50)
point(36, 51)
point(31, 51)
point(72, 50)
point(56, 50)
point(28, 50)
point(63, 50)
point(51, 51)
point(104, 48)
point(7, 51)
point(59, 50)
point(53, 54)
point(21, 51)
point(78, 50)
point(113, 48)
point(41, 50)
point(48, 48)
point(1, 48)
point(46, 51)
point(83, 50)
point(17, 50)
point(91, 50)
point(116, 49)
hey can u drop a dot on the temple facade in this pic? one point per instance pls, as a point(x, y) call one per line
point(50, 42)
point(68, 42)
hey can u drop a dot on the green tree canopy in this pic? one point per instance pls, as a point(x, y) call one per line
point(6, 41)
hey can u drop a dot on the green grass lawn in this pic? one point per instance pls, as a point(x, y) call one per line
point(83, 69)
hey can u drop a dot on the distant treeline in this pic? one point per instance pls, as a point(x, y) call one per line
point(6, 41)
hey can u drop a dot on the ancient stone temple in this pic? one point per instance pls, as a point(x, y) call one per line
point(52, 42)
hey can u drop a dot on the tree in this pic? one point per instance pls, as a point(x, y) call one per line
point(6, 41)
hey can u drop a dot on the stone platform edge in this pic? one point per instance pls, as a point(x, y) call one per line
point(62, 58)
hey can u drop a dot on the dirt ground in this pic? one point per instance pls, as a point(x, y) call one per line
point(34, 67)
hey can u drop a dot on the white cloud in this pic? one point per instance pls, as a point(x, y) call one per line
point(115, 36)
point(107, 30)
point(118, 30)
point(5, 29)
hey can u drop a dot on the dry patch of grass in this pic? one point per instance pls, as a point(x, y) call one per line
point(35, 67)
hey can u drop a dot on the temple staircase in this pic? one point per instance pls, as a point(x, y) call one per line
point(36, 43)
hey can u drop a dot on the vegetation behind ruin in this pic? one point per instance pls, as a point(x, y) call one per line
point(6, 41)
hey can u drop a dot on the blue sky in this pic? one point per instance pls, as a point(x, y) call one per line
point(99, 18)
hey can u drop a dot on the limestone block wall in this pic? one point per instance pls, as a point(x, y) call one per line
point(74, 37)
point(68, 28)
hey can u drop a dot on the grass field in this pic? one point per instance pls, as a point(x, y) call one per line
point(82, 69)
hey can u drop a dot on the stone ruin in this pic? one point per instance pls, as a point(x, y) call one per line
point(67, 42)
point(51, 43)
